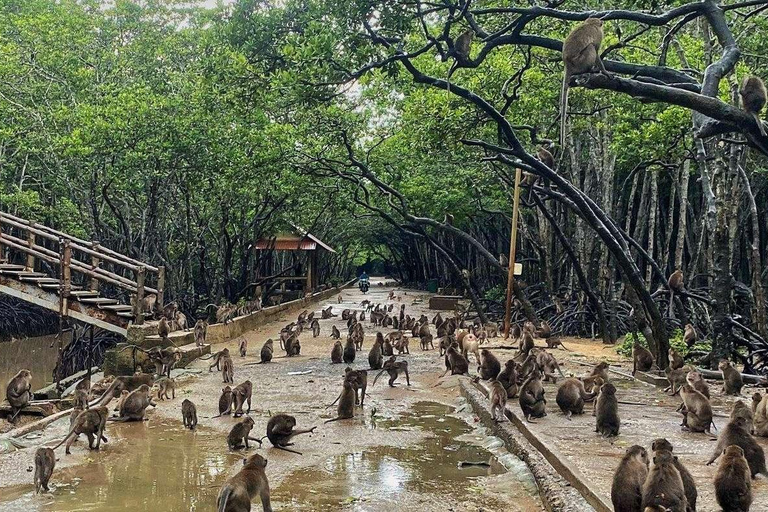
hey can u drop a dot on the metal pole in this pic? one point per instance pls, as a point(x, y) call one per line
point(512, 249)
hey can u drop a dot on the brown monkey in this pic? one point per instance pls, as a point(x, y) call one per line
point(292, 345)
point(132, 409)
point(394, 369)
point(581, 54)
point(359, 381)
point(189, 414)
point(315, 326)
point(163, 329)
point(733, 486)
point(455, 362)
point(753, 97)
point(546, 157)
point(243, 346)
point(599, 372)
point(607, 411)
point(736, 432)
point(696, 410)
point(554, 342)
point(498, 398)
point(375, 357)
point(401, 345)
point(250, 482)
point(339, 300)
point(675, 359)
point(664, 486)
point(126, 382)
point(123, 395)
point(515, 332)
point(698, 383)
point(544, 330)
point(742, 410)
point(675, 281)
point(690, 337)
point(337, 353)
point(526, 343)
point(164, 385)
point(531, 399)
point(241, 394)
point(217, 357)
point(280, 431)
point(508, 378)
point(225, 402)
point(760, 411)
point(642, 359)
point(349, 351)
point(267, 350)
point(571, 396)
point(241, 434)
point(82, 390)
point(490, 367)
point(201, 329)
point(732, 381)
point(676, 379)
point(346, 408)
point(689, 485)
point(89, 422)
point(335, 334)
point(227, 370)
point(19, 392)
point(45, 461)
point(628, 480)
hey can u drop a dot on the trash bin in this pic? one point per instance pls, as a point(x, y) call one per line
point(432, 286)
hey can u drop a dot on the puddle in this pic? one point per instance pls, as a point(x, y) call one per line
point(425, 476)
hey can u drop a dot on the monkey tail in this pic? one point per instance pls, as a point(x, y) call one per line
point(377, 377)
point(226, 492)
point(335, 419)
point(563, 107)
point(65, 438)
point(759, 123)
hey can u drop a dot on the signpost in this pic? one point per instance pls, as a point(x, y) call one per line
point(513, 267)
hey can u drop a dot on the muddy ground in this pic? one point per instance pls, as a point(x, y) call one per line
point(401, 451)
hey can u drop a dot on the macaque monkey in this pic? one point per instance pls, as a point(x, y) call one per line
point(292, 346)
point(676, 285)
point(90, 422)
point(45, 461)
point(532, 401)
point(241, 434)
point(250, 482)
point(241, 394)
point(243, 347)
point(470, 344)
point(544, 330)
point(82, 390)
point(460, 53)
point(696, 410)
point(337, 353)
point(689, 485)
point(676, 379)
point(600, 371)
point(349, 351)
point(546, 157)
point(697, 382)
point(455, 362)
point(19, 392)
point(642, 359)
point(394, 369)
point(225, 401)
point(690, 337)
point(280, 431)
point(164, 385)
point(732, 381)
point(760, 412)
point(733, 485)
point(163, 329)
point(675, 359)
point(571, 396)
point(664, 486)
point(375, 357)
point(201, 329)
point(217, 357)
point(340, 299)
point(554, 342)
point(266, 351)
point(335, 334)
point(125, 383)
point(753, 97)
point(508, 378)
point(490, 367)
point(526, 343)
point(327, 313)
point(426, 341)
point(189, 414)
point(581, 54)
point(742, 410)
point(736, 432)
point(227, 370)
point(628, 480)
point(498, 398)
point(135, 404)
point(346, 408)
point(315, 325)
point(607, 411)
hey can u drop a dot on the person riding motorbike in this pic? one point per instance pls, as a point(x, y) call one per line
point(364, 282)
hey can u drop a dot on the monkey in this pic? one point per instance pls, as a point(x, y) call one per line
point(240, 394)
point(455, 362)
point(508, 378)
point(346, 408)
point(732, 381)
point(227, 370)
point(531, 399)
point(81, 392)
point(375, 356)
point(292, 345)
point(386, 348)
point(243, 347)
point(345, 314)
point(675, 359)
point(217, 357)
point(337, 352)
point(547, 364)
point(490, 367)
point(132, 409)
point(544, 330)
point(760, 412)
point(401, 345)
point(165, 384)
point(664, 486)
point(267, 351)
point(165, 360)
point(123, 395)
point(19, 392)
point(554, 342)
point(250, 482)
point(427, 341)
point(628, 480)
point(189, 414)
point(339, 299)
point(349, 351)
point(599, 371)
point(515, 332)
point(753, 98)
point(128, 383)
point(45, 461)
point(526, 343)
point(240, 434)
point(581, 54)
point(675, 281)
point(689, 485)
point(460, 53)
point(733, 485)
point(315, 325)
point(696, 410)
point(571, 396)
point(89, 422)
point(642, 359)
point(179, 322)
point(359, 381)
point(742, 410)
point(698, 383)
point(690, 337)
point(676, 379)
point(470, 344)
point(394, 369)
point(736, 432)
point(335, 334)
point(607, 411)
point(546, 157)
point(201, 329)
point(280, 431)
point(163, 329)
point(225, 401)
point(327, 313)
point(498, 397)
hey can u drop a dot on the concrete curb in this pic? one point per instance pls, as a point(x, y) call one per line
point(556, 492)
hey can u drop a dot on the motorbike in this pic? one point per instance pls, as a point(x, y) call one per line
point(364, 285)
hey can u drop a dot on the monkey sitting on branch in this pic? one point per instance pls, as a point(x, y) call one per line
point(460, 53)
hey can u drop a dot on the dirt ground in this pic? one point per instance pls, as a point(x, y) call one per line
point(646, 414)
point(402, 449)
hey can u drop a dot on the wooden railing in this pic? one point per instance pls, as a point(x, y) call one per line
point(72, 254)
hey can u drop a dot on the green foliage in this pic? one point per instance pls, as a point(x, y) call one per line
point(497, 293)
point(624, 348)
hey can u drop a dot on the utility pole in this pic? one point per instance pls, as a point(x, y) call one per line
point(512, 249)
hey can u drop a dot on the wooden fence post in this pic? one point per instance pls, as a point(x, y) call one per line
point(95, 262)
point(160, 302)
point(138, 306)
point(31, 239)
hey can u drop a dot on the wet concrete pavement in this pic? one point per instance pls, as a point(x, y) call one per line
point(401, 450)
